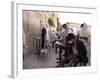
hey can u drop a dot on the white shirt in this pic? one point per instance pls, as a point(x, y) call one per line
point(54, 36)
point(76, 31)
point(47, 34)
point(84, 32)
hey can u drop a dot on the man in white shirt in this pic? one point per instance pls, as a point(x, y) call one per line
point(84, 31)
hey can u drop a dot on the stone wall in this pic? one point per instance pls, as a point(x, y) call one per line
point(33, 22)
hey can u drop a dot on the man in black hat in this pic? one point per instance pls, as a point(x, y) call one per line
point(78, 49)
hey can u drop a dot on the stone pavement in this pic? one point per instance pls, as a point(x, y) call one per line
point(45, 61)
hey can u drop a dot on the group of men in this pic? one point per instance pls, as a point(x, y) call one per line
point(75, 51)
point(72, 44)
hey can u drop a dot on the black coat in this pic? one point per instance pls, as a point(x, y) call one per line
point(43, 33)
point(82, 52)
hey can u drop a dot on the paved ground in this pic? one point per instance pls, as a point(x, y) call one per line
point(45, 61)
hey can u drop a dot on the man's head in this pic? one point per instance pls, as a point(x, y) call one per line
point(64, 26)
point(82, 25)
point(71, 39)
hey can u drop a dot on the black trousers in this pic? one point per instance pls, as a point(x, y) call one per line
point(42, 42)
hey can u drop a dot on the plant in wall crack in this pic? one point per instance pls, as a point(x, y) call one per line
point(51, 22)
